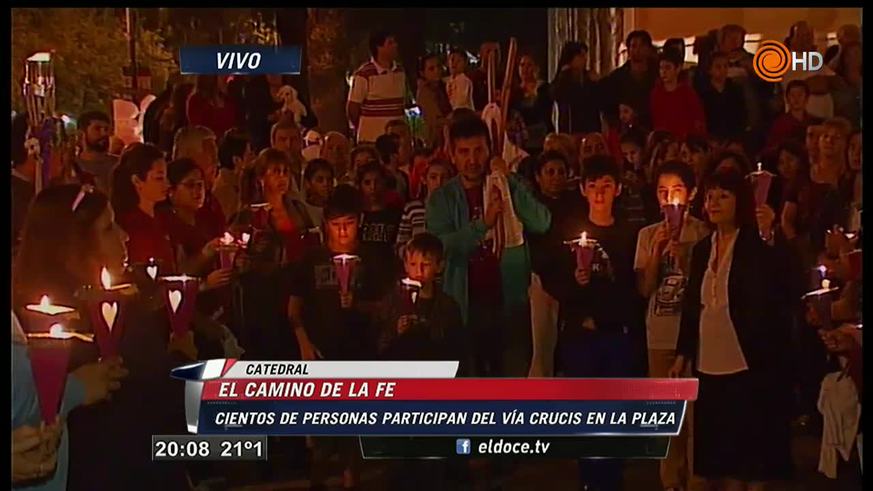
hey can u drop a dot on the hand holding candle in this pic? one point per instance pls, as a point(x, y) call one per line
point(820, 301)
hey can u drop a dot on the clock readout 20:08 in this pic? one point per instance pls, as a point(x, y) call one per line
point(208, 447)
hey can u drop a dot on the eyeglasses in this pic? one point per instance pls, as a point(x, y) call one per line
point(279, 171)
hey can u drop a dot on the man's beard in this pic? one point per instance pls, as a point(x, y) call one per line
point(101, 145)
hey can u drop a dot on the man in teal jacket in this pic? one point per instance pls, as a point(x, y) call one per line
point(492, 290)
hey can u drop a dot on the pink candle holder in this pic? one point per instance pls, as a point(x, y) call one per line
point(344, 266)
point(107, 309)
point(761, 181)
point(180, 293)
point(411, 290)
point(584, 249)
point(49, 354)
point(675, 215)
point(821, 300)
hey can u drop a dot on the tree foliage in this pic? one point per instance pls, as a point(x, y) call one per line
point(90, 50)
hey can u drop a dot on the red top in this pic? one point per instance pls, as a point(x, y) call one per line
point(202, 112)
point(148, 239)
point(786, 127)
point(680, 112)
point(393, 199)
point(191, 238)
point(613, 144)
point(484, 269)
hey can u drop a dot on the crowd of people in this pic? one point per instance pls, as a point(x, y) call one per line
point(487, 235)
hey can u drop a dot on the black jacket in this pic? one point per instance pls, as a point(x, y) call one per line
point(758, 295)
point(579, 103)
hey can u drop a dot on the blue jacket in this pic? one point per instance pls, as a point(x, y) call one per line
point(448, 217)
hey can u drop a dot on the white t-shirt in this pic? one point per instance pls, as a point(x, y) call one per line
point(719, 351)
point(460, 91)
point(818, 105)
point(665, 304)
point(381, 92)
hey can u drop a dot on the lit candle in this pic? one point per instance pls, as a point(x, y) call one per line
point(227, 239)
point(57, 331)
point(106, 281)
point(825, 284)
point(760, 167)
point(343, 264)
point(180, 290)
point(245, 238)
point(45, 307)
point(584, 251)
point(152, 269)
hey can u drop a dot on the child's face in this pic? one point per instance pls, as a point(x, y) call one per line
point(796, 98)
point(372, 187)
point(457, 63)
point(601, 192)
point(421, 267)
point(342, 231)
point(671, 190)
point(626, 114)
point(719, 69)
point(321, 185)
point(436, 176)
point(632, 154)
point(669, 72)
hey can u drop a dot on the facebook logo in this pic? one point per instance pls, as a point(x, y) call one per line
point(463, 446)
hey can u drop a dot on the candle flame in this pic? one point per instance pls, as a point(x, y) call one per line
point(583, 239)
point(151, 260)
point(105, 278)
point(759, 166)
point(227, 239)
point(825, 284)
point(676, 202)
point(44, 301)
point(57, 332)
point(245, 238)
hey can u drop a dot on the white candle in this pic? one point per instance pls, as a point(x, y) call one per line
point(45, 307)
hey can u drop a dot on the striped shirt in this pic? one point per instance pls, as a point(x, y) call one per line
point(382, 94)
point(412, 223)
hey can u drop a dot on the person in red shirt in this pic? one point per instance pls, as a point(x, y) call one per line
point(675, 106)
point(199, 144)
point(209, 105)
point(792, 124)
point(138, 184)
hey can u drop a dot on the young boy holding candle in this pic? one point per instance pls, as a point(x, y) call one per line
point(662, 263)
point(333, 324)
point(598, 303)
point(421, 322)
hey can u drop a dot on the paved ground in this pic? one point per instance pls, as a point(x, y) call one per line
point(560, 475)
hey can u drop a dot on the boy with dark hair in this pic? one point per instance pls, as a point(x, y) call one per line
point(662, 262)
point(235, 165)
point(792, 124)
point(379, 222)
point(723, 101)
point(95, 128)
point(598, 304)
point(333, 324)
point(318, 182)
point(675, 106)
point(388, 146)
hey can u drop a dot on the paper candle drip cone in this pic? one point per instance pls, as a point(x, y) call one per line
point(180, 293)
point(761, 182)
point(48, 361)
point(344, 265)
point(675, 215)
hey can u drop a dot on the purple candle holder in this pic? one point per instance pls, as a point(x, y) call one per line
point(49, 359)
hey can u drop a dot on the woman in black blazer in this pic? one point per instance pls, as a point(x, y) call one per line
point(735, 329)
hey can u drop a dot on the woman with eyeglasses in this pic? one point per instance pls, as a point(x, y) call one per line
point(70, 235)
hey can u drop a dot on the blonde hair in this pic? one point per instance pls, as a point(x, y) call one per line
point(188, 142)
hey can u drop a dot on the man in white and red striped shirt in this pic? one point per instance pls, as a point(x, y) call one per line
point(379, 90)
